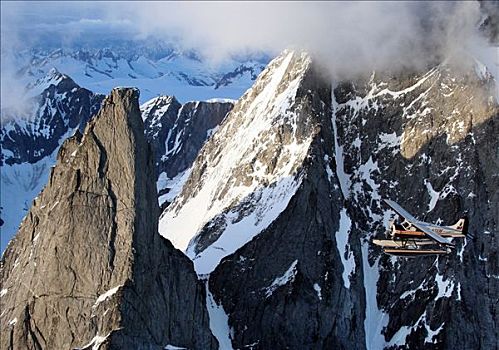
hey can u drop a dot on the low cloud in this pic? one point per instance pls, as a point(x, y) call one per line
point(346, 37)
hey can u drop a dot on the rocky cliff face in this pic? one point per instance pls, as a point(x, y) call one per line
point(283, 201)
point(87, 268)
point(177, 133)
point(288, 276)
point(430, 143)
point(53, 108)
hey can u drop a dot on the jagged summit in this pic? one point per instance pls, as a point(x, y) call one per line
point(227, 176)
point(88, 252)
point(53, 77)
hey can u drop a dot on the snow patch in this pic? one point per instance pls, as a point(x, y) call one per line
point(375, 319)
point(389, 141)
point(219, 321)
point(431, 333)
point(287, 277)
point(397, 94)
point(330, 174)
point(210, 132)
point(343, 177)
point(96, 342)
point(175, 185)
point(221, 100)
point(106, 295)
point(445, 288)
point(317, 289)
point(434, 195)
point(346, 254)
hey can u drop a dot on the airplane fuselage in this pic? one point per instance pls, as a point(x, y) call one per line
point(412, 237)
point(411, 231)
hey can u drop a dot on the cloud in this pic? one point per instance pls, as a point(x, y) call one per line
point(346, 37)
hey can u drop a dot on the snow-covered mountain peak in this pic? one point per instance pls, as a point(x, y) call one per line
point(157, 106)
point(53, 77)
point(273, 82)
point(241, 187)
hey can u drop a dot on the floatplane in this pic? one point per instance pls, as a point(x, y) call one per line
point(411, 237)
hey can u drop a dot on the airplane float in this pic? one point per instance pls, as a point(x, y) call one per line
point(412, 237)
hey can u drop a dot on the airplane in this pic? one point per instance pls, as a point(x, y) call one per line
point(416, 238)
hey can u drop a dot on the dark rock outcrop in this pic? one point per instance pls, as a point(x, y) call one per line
point(432, 147)
point(87, 267)
point(177, 132)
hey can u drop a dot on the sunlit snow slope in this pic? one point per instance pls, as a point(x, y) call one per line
point(246, 173)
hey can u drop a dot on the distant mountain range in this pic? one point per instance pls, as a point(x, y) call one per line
point(155, 70)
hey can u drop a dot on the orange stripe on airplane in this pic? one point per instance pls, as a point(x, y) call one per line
point(416, 233)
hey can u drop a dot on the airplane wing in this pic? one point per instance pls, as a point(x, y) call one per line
point(401, 211)
point(430, 233)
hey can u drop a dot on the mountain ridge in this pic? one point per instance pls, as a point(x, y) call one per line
point(185, 74)
point(93, 259)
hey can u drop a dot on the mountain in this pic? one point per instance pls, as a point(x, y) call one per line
point(177, 132)
point(433, 150)
point(276, 199)
point(283, 201)
point(52, 105)
point(53, 108)
point(228, 171)
point(87, 268)
point(154, 68)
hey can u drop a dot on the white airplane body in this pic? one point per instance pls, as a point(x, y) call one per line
point(411, 234)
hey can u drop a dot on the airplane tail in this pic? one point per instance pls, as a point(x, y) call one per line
point(461, 225)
